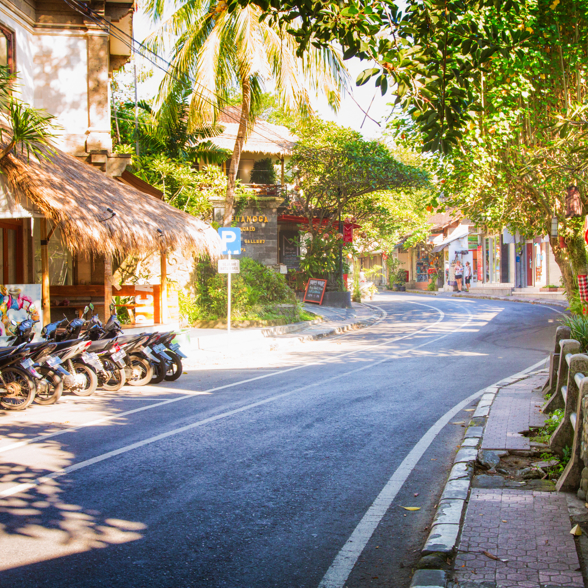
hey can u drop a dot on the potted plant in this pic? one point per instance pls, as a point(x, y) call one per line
point(400, 280)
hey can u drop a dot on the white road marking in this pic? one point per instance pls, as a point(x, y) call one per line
point(217, 389)
point(346, 559)
point(83, 464)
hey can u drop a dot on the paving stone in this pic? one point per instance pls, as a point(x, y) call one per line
point(530, 529)
point(516, 408)
point(429, 579)
point(456, 489)
point(449, 512)
point(442, 539)
point(466, 454)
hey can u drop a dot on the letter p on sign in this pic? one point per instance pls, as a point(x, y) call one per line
point(231, 240)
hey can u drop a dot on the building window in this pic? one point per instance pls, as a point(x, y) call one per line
point(7, 49)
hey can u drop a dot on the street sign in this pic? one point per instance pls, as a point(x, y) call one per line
point(228, 266)
point(231, 240)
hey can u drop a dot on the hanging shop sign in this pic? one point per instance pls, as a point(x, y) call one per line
point(473, 242)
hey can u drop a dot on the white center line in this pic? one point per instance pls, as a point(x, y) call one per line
point(347, 557)
point(83, 464)
point(218, 388)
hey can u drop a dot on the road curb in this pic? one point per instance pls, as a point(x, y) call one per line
point(441, 544)
point(505, 299)
point(360, 324)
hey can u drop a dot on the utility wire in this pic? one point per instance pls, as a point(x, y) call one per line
point(130, 42)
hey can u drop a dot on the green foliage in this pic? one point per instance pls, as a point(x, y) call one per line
point(263, 172)
point(578, 324)
point(553, 421)
point(341, 175)
point(257, 293)
point(29, 131)
point(432, 286)
point(429, 54)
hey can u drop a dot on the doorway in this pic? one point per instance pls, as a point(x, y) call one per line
point(11, 248)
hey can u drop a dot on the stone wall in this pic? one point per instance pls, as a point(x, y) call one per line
point(259, 230)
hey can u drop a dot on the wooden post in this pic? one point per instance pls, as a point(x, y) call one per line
point(164, 309)
point(107, 285)
point(45, 296)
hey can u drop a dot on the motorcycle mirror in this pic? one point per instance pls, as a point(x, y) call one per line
point(91, 306)
point(86, 309)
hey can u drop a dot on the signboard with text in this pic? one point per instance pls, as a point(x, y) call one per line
point(229, 266)
point(315, 291)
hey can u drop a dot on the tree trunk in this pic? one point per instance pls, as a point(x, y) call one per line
point(563, 261)
point(577, 254)
point(236, 157)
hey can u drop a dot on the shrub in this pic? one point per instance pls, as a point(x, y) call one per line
point(255, 292)
point(579, 326)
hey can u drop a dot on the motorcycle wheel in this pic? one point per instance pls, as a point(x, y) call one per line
point(118, 376)
point(91, 382)
point(175, 369)
point(158, 372)
point(52, 392)
point(141, 371)
point(20, 386)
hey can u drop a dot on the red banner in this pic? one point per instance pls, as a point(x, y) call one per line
point(347, 233)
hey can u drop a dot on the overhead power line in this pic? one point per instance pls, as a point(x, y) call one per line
point(167, 68)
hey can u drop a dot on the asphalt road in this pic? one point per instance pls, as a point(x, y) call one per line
point(257, 475)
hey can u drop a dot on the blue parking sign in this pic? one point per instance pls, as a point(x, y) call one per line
point(231, 240)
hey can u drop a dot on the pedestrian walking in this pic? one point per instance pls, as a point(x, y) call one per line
point(458, 274)
point(467, 274)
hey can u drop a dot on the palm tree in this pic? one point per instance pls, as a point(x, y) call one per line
point(218, 52)
point(29, 130)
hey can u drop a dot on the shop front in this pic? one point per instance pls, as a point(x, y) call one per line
point(64, 229)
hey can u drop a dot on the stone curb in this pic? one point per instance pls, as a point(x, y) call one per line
point(559, 303)
point(361, 324)
point(446, 527)
point(216, 341)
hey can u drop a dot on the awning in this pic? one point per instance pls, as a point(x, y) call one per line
point(459, 233)
point(97, 213)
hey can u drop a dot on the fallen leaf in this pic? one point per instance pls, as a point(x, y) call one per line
point(576, 530)
point(504, 521)
point(494, 557)
point(469, 409)
point(458, 423)
point(411, 507)
point(416, 493)
point(433, 459)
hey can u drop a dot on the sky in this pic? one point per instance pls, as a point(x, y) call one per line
point(350, 114)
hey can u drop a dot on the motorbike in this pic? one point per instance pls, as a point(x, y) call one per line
point(17, 378)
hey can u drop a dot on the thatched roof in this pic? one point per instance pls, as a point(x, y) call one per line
point(76, 196)
point(264, 138)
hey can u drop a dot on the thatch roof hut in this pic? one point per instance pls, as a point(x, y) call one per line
point(264, 138)
point(76, 197)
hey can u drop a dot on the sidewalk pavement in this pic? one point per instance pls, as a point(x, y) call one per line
point(515, 532)
point(212, 345)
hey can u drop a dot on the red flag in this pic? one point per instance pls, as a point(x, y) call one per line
point(347, 233)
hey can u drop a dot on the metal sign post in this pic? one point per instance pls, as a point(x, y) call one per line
point(229, 301)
